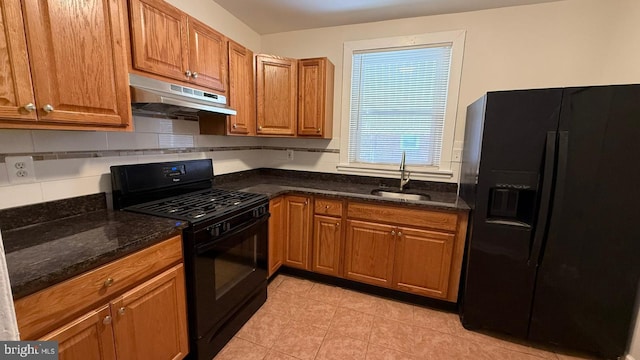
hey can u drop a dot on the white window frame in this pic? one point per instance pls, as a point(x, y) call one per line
point(454, 38)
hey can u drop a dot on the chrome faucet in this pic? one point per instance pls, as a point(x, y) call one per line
point(403, 181)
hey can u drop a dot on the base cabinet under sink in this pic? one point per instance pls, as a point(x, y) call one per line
point(409, 249)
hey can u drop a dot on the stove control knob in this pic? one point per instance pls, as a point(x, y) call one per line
point(227, 226)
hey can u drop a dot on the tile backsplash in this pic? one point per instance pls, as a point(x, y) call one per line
point(76, 163)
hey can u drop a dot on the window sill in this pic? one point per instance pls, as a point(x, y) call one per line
point(422, 174)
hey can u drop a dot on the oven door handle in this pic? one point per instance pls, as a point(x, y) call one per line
point(206, 246)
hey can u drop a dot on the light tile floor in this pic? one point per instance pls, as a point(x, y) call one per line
point(304, 320)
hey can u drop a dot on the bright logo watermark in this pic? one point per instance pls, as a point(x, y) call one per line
point(36, 350)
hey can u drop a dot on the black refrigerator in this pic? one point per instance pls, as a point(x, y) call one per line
point(553, 250)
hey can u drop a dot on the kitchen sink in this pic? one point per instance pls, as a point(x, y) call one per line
point(388, 193)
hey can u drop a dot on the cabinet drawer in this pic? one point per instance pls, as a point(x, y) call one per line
point(402, 216)
point(328, 207)
point(41, 312)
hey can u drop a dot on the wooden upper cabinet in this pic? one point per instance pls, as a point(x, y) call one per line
point(315, 97)
point(276, 235)
point(16, 90)
point(77, 62)
point(369, 252)
point(167, 42)
point(87, 338)
point(276, 92)
point(207, 56)
point(297, 211)
point(150, 320)
point(241, 91)
point(423, 261)
point(159, 39)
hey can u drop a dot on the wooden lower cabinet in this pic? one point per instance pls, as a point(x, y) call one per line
point(413, 250)
point(147, 322)
point(327, 237)
point(297, 220)
point(88, 338)
point(150, 321)
point(276, 235)
point(423, 261)
point(369, 252)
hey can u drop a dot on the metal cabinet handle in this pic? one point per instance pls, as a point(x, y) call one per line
point(306, 202)
point(327, 207)
point(259, 127)
point(29, 107)
point(194, 75)
point(399, 233)
point(393, 232)
point(121, 310)
point(337, 224)
point(188, 73)
point(47, 108)
point(107, 320)
point(108, 282)
point(235, 126)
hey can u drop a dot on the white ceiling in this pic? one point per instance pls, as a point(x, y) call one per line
point(272, 16)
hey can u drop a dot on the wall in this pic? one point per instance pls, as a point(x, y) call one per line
point(214, 15)
point(566, 43)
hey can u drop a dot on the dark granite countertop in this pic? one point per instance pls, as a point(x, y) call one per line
point(278, 182)
point(51, 250)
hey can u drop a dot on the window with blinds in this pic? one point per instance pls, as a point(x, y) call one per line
point(398, 103)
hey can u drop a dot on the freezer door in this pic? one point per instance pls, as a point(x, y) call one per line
point(588, 274)
point(498, 283)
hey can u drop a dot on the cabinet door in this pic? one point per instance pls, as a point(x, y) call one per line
point(276, 89)
point(423, 262)
point(315, 97)
point(369, 252)
point(150, 320)
point(241, 91)
point(297, 223)
point(327, 233)
point(159, 39)
point(80, 72)
point(276, 235)
point(16, 90)
point(87, 338)
point(207, 56)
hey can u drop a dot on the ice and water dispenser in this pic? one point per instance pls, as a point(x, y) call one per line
point(512, 198)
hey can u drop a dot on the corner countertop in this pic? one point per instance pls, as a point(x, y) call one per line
point(274, 183)
point(48, 252)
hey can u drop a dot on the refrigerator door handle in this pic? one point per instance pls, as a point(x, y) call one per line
point(545, 199)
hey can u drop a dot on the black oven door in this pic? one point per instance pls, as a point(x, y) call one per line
point(228, 270)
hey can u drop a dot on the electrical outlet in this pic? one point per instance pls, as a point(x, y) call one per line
point(289, 154)
point(20, 169)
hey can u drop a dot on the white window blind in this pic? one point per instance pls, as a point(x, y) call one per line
point(398, 103)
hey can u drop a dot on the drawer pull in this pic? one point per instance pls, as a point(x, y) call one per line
point(107, 320)
point(108, 282)
point(393, 233)
point(121, 311)
point(337, 224)
point(399, 233)
point(327, 207)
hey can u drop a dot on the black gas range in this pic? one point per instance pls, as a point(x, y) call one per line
point(225, 244)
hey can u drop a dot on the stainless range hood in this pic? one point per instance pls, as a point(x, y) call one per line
point(155, 96)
